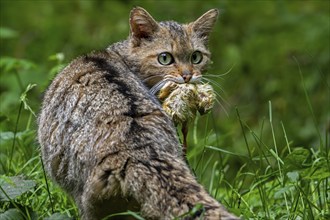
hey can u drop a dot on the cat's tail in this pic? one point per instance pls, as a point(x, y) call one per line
point(165, 189)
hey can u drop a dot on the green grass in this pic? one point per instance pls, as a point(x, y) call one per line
point(267, 181)
point(291, 184)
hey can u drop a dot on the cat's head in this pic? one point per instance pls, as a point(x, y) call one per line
point(169, 51)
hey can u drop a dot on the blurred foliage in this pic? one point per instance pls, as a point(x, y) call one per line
point(259, 40)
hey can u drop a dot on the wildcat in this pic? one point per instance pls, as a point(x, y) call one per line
point(104, 136)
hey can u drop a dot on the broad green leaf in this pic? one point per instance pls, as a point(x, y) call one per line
point(293, 176)
point(23, 135)
point(6, 135)
point(14, 186)
point(11, 214)
point(298, 158)
point(6, 140)
point(318, 173)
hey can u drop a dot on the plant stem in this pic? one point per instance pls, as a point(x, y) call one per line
point(14, 139)
point(47, 186)
point(12, 202)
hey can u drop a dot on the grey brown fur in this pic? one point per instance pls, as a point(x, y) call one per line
point(106, 140)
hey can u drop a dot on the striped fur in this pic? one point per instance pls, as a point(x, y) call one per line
point(106, 140)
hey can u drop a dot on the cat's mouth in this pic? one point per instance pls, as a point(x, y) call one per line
point(177, 80)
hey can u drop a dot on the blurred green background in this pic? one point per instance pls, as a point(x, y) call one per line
point(262, 43)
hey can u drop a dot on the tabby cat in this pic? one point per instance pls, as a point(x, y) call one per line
point(104, 136)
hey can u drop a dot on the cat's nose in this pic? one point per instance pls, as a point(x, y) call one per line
point(186, 75)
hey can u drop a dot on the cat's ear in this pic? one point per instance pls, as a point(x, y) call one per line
point(142, 24)
point(204, 24)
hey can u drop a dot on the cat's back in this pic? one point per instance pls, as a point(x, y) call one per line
point(97, 107)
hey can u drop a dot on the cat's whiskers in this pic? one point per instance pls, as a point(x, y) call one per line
point(214, 83)
point(153, 77)
point(159, 85)
point(223, 103)
point(170, 78)
point(176, 79)
point(220, 75)
point(221, 89)
point(196, 79)
point(213, 76)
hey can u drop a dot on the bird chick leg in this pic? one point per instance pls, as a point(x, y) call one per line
point(184, 131)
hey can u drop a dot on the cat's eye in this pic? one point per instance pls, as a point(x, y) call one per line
point(196, 57)
point(165, 58)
